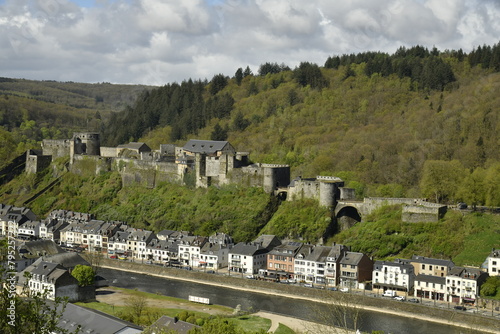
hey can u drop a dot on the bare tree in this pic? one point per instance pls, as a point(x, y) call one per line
point(136, 306)
point(339, 310)
point(94, 258)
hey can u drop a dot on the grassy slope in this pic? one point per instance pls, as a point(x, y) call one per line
point(465, 239)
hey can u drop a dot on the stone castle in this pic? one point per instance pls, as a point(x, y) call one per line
point(205, 163)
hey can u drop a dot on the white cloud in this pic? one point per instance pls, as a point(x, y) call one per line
point(160, 41)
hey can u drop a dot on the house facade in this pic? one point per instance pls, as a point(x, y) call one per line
point(355, 269)
point(247, 258)
point(463, 284)
point(430, 287)
point(398, 275)
point(429, 266)
point(493, 262)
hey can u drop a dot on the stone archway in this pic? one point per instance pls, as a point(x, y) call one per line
point(347, 217)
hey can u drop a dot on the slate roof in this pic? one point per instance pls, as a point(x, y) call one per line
point(250, 249)
point(430, 279)
point(318, 254)
point(173, 324)
point(95, 322)
point(67, 260)
point(351, 258)
point(427, 260)
point(206, 146)
point(268, 241)
point(136, 146)
point(40, 248)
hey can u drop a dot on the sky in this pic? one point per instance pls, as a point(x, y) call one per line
point(155, 42)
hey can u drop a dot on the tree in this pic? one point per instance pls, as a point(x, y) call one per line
point(240, 123)
point(309, 74)
point(218, 133)
point(219, 81)
point(491, 287)
point(136, 306)
point(440, 179)
point(338, 310)
point(238, 76)
point(84, 274)
point(247, 72)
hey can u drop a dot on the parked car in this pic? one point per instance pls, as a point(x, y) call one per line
point(344, 289)
point(291, 280)
point(249, 276)
point(413, 300)
point(308, 285)
point(333, 288)
point(400, 298)
point(121, 257)
point(113, 257)
point(210, 271)
point(149, 262)
point(460, 308)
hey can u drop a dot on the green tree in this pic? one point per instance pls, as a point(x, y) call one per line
point(218, 133)
point(240, 123)
point(219, 81)
point(239, 76)
point(491, 287)
point(440, 179)
point(309, 74)
point(84, 274)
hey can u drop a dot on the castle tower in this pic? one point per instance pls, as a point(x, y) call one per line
point(87, 143)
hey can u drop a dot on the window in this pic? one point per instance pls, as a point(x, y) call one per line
point(423, 267)
point(430, 267)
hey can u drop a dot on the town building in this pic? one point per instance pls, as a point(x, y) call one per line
point(281, 261)
point(336, 254)
point(247, 258)
point(430, 287)
point(398, 276)
point(355, 270)
point(493, 262)
point(463, 284)
point(429, 266)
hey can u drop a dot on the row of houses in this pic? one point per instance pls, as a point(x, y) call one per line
point(266, 257)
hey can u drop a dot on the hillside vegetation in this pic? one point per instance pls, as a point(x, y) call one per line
point(245, 213)
point(417, 123)
point(31, 111)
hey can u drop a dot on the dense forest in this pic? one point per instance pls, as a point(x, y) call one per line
point(417, 123)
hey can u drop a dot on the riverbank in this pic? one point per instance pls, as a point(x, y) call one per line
point(413, 311)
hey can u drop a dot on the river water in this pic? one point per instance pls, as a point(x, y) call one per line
point(302, 309)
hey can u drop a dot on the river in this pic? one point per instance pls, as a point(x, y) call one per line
point(302, 309)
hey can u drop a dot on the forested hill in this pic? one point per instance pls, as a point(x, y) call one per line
point(34, 110)
point(417, 122)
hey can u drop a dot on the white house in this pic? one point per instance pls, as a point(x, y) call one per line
point(214, 255)
point(398, 275)
point(190, 250)
point(247, 258)
point(463, 284)
point(430, 287)
point(493, 262)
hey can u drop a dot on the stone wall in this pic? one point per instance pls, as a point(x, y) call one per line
point(56, 148)
point(422, 214)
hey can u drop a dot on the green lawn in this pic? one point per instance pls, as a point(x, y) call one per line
point(253, 323)
point(282, 329)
